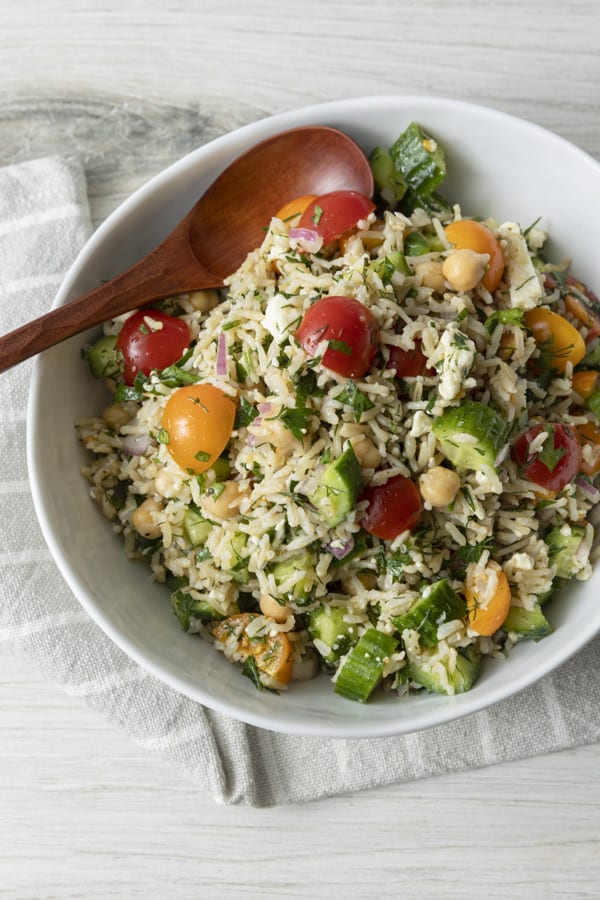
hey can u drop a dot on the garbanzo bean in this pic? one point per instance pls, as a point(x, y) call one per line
point(273, 610)
point(144, 518)
point(464, 269)
point(227, 503)
point(439, 486)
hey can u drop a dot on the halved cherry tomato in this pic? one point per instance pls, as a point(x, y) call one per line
point(292, 211)
point(332, 215)
point(151, 339)
point(394, 507)
point(351, 332)
point(197, 421)
point(589, 435)
point(585, 382)
point(580, 311)
point(272, 653)
point(407, 363)
point(556, 463)
point(487, 593)
point(563, 339)
point(466, 234)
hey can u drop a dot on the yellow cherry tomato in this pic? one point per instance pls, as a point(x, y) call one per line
point(585, 382)
point(272, 653)
point(466, 234)
point(565, 342)
point(292, 211)
point(197, 421)
point(488, 597)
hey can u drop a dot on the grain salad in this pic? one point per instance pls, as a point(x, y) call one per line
point(374, 454)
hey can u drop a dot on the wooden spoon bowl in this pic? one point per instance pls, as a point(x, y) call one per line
point(213, 239)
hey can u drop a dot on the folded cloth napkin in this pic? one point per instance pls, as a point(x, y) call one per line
point(44, 221)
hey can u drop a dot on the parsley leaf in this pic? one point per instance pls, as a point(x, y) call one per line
point(341, 347)
point(550, 455)
point(296, 420)
point(357, 399)
point(245, 413)
point(504, 317)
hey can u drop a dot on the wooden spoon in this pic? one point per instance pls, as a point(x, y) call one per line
point(214, 238)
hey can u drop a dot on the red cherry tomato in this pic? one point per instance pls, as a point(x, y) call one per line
point(393, 507)
point(151, 339)
point(556, 463)
point(407, 363)
point(350, 330)
point(332, 215)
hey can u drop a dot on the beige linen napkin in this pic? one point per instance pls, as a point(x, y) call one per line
point(44, 221)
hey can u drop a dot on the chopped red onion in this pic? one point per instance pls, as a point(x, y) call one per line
point(222, 355)
point(589, 489)
point(306, 239)
point(264, 408)
point(136, 444)
point(340, 550)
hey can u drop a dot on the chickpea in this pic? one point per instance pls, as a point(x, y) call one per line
point(227, 503)
point(464, 269)
point(439, 486)
point(167, 484)
point(203, 301)
point(144, 518)
point(270, 608)
point(366, 452)
point(430, 273)
point(118, 414)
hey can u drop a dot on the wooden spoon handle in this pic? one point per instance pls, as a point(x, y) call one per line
point(168, 270)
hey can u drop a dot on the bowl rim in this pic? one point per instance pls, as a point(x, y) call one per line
point(223, 149)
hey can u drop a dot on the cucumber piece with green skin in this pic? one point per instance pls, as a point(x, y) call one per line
point(362, 670)
point(239, 560)
point(438, 603)
point(527, 624)
point(415, 244)
point(388, 180)
point(103, 358)
point(419, 159)
point(196, 527)
point(301, 562)
point(470, 435)
point(460, 680)
point(593, 403)
point(338, 488)
point(327, 624)
point(189, 607)
point(387, 265)
point(563, 544)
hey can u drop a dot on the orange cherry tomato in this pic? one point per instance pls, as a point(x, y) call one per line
point(197, 421)
point(585, 382)
point(589, 435)
point(272, 653)
point(488, 597)
point(466, 234)
point(291, 212)
point(550, 329)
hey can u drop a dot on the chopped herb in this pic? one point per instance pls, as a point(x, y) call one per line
point(250, 670)
point(245, 413)
point(228, 325)
point(341, 347)
point(306, 386)
point(531, 227)
point(504, 317)
point(203, 554)
point(318, 212)
point(469, 553)
point(162, 436)
point(202, 456)
point(550, 455)
point(359, 401)
point(296, 420)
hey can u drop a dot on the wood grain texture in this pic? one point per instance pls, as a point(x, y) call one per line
point(130, 87)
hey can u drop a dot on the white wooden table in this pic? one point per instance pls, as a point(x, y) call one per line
point(131, 86)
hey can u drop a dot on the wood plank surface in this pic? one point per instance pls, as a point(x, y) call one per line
point(129, 87)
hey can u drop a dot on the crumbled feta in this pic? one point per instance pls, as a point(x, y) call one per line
point(523, 280)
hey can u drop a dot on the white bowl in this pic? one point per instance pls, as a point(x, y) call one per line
point(498, 165)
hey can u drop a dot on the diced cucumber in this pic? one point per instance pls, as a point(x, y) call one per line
point(327, 624)
point(527, 624)
point(591, 360)
point(339, 487)
point(103, 358)
point(301, 562)
point(563, 544)
point(419, 159)
point(470, 435)
point(221, 468)
point(189, 606)
point(415, 244)
point(362, 670)
point(387, 265)
point(196, 527)
point(238, 559)
point(388, 180)
point(438, 603)
point(461, 679)
point(593, 403)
